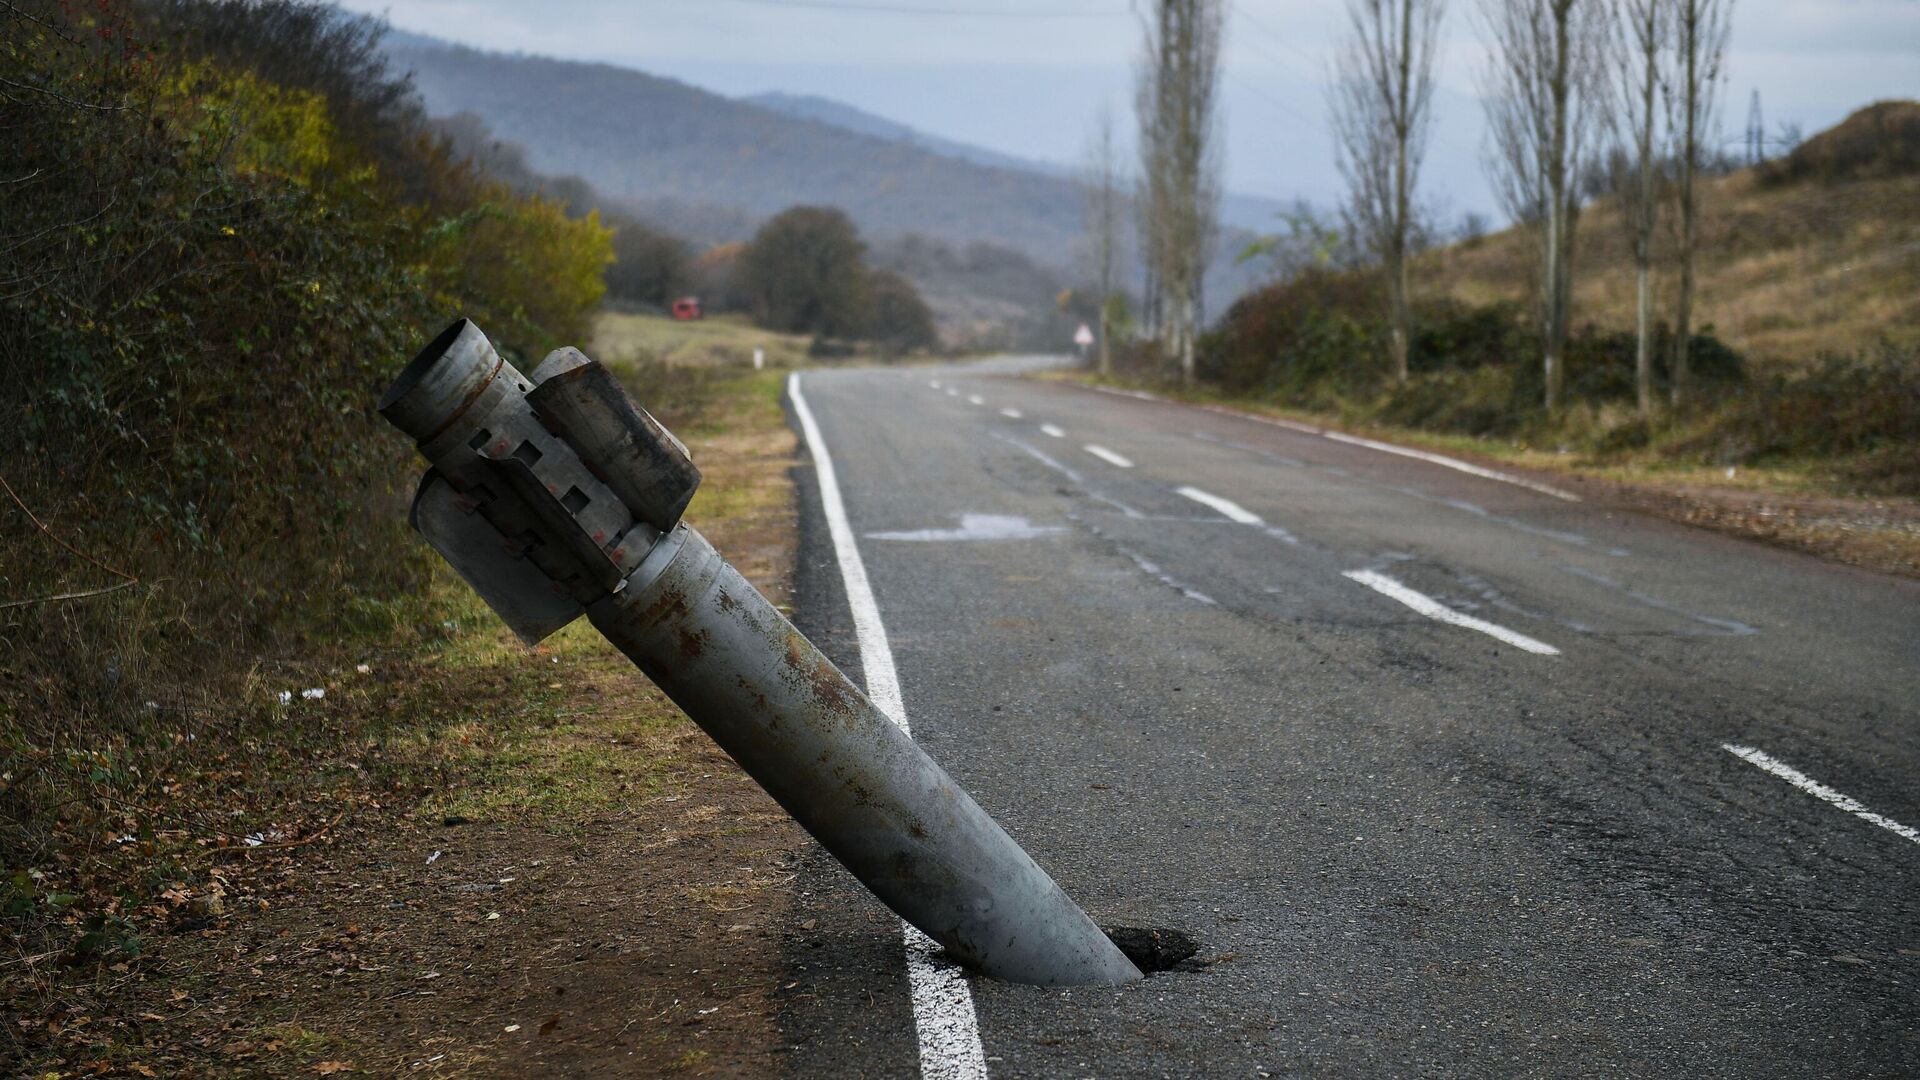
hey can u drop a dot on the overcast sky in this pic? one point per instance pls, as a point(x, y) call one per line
point(1026, 78)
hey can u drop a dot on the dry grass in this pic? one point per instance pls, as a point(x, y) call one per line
point(1785, 273)
point(718, 341)
point(450, 721)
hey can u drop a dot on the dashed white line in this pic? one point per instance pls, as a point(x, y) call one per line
point(1233, 511)
point(943, 1012)
point(1372, 444)
point(951, 392)
point(935, 383)
point(1819, 790)
point(1012, 414)
point(1049, 429)
point(1108, 456)
point(976, 399)
point(1070, 473)
point(1434, 609)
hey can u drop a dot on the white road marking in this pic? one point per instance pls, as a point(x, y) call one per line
point(977, 527)
point(976, 399)
point(1236, 513)
point(943, 1012)
point(935, 383)
point(1233, 511)
point(1049, 429)
point(1818, 790)
point(1434, 609)
point(951, 392)
point(1451, 463)
point(1371, 444)
point(1108, 456)
point(1070, 473)
point(1116, 391)
point(1012, 414)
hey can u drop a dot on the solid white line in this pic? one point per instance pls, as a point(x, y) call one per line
point(1818, 790)
point(1049, 429)
point(943, 1013)
point(1232, 510)
point(976, 399)
point(1108, 456)
point(1434, 609)
point(1451, 463)
point(1012, 414)
point(1371, 444)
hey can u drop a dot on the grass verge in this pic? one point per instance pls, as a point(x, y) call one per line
point(460, 855)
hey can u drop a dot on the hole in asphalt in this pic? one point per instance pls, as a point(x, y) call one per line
point(1152, 948)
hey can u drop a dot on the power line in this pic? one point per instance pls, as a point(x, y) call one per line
point(1272, 34)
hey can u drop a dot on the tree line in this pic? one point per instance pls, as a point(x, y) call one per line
point(804, 271)
point(1626, 91)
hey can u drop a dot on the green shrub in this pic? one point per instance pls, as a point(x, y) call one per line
point(216, 257)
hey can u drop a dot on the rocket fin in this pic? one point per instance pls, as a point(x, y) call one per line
point(530, 603)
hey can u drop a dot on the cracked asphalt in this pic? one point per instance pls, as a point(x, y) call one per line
point(1406, 845)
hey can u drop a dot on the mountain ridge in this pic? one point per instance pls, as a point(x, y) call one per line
point(680, 156)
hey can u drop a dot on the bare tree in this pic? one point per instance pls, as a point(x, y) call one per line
point(1380, 97)
point(1543, 89)
point(1645, 29)
point(1102, 188)
point(1700, 43)
point(1177, 87)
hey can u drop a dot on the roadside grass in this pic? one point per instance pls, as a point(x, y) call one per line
point(430, 712)
point(1786, 273)
point(715, 341)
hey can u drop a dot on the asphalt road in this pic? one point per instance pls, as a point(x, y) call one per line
point(1406, 846)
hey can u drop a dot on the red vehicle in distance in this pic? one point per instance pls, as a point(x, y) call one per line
point(687, 308)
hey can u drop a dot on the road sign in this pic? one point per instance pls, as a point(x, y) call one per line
point(1083, 337)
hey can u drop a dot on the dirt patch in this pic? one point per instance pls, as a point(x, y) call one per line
point(640, 943)
point(1873, 534)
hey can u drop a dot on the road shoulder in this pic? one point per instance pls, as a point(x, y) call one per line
point(1878, 534)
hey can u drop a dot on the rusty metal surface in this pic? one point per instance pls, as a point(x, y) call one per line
point(846, 773)
point(583, 499)
point(644, 464)
point(523, 488)
point(525, 598)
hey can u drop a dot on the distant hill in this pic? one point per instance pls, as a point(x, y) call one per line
point(706, 165)
point(640, 137)
point(848, 118)
point(1251, 212)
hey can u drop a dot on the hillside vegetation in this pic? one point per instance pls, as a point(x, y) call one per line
point(1805, 365)
point(1816, 254)
point(675, 141)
